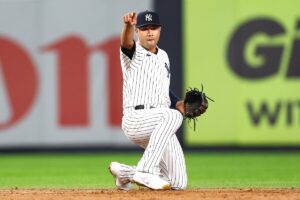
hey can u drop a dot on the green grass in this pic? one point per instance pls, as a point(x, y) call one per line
point(205, 170)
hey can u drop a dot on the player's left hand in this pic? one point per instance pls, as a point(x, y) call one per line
point(195, 103)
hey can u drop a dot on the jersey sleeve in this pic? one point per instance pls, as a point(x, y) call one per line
point(129, 52)
point(173, 99)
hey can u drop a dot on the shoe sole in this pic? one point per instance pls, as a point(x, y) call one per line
point(115, 177)
point(109, 169)
point(165, 187)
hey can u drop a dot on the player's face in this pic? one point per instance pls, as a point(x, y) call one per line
point(149, 36)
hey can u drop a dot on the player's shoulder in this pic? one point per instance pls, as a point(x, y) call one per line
point(162, 53)
point(161, 50)
point(140, 49)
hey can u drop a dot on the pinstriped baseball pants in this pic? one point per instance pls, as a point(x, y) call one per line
point(154, 130)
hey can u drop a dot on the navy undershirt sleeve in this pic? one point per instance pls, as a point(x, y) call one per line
point(128, 52)
point(173, 99)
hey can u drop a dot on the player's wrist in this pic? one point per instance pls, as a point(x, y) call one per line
point(180, 106)
point(128, 25)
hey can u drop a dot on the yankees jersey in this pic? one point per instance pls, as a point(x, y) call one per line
point(146, 77)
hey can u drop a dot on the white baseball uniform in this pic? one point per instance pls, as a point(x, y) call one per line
point(148, 120)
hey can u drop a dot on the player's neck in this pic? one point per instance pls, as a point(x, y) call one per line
point(152, 50)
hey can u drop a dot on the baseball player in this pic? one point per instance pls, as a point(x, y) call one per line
point(151, 112)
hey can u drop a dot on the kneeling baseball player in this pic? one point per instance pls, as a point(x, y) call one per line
point(151, 112)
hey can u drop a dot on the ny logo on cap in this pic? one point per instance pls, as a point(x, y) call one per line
point(148, 17)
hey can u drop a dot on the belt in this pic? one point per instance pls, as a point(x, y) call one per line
point(140, 107)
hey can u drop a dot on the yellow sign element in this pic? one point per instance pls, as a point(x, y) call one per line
point(247, 56)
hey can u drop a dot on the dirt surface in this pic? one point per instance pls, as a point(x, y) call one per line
point(145, 194)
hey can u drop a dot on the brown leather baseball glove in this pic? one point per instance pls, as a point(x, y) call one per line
point(195, 103)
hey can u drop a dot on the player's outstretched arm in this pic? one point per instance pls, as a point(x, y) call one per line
point(127, 34)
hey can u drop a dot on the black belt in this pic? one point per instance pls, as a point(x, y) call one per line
point(140, 107)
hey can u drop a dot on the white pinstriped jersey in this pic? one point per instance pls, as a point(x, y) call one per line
point(146, 78)
point(146, 81)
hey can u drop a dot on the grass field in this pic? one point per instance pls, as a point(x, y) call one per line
point(205, 170)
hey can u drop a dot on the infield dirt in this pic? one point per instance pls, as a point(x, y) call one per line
point(145, 194)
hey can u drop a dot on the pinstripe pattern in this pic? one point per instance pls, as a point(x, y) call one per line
point(146, 81)
point(173, 164)
point(154, 130)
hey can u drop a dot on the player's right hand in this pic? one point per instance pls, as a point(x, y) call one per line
point(130, 19)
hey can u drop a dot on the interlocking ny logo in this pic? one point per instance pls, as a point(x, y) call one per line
point(148, 17)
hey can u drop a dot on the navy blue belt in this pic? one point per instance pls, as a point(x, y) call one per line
point(140, 107)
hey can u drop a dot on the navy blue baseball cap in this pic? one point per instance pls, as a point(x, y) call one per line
point(147, 18)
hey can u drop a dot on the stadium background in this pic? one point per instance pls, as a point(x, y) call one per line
point(61, 81)
point(60, 90)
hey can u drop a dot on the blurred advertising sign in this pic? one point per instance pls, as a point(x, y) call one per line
point(247, 55)
point(60, 76)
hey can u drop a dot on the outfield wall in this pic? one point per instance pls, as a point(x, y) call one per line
point(247, 55)
point(60, 78)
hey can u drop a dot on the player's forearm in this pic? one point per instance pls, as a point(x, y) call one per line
point(127, 36)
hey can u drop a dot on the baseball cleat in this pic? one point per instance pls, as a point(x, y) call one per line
point(115, 170)
point(151, 181)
